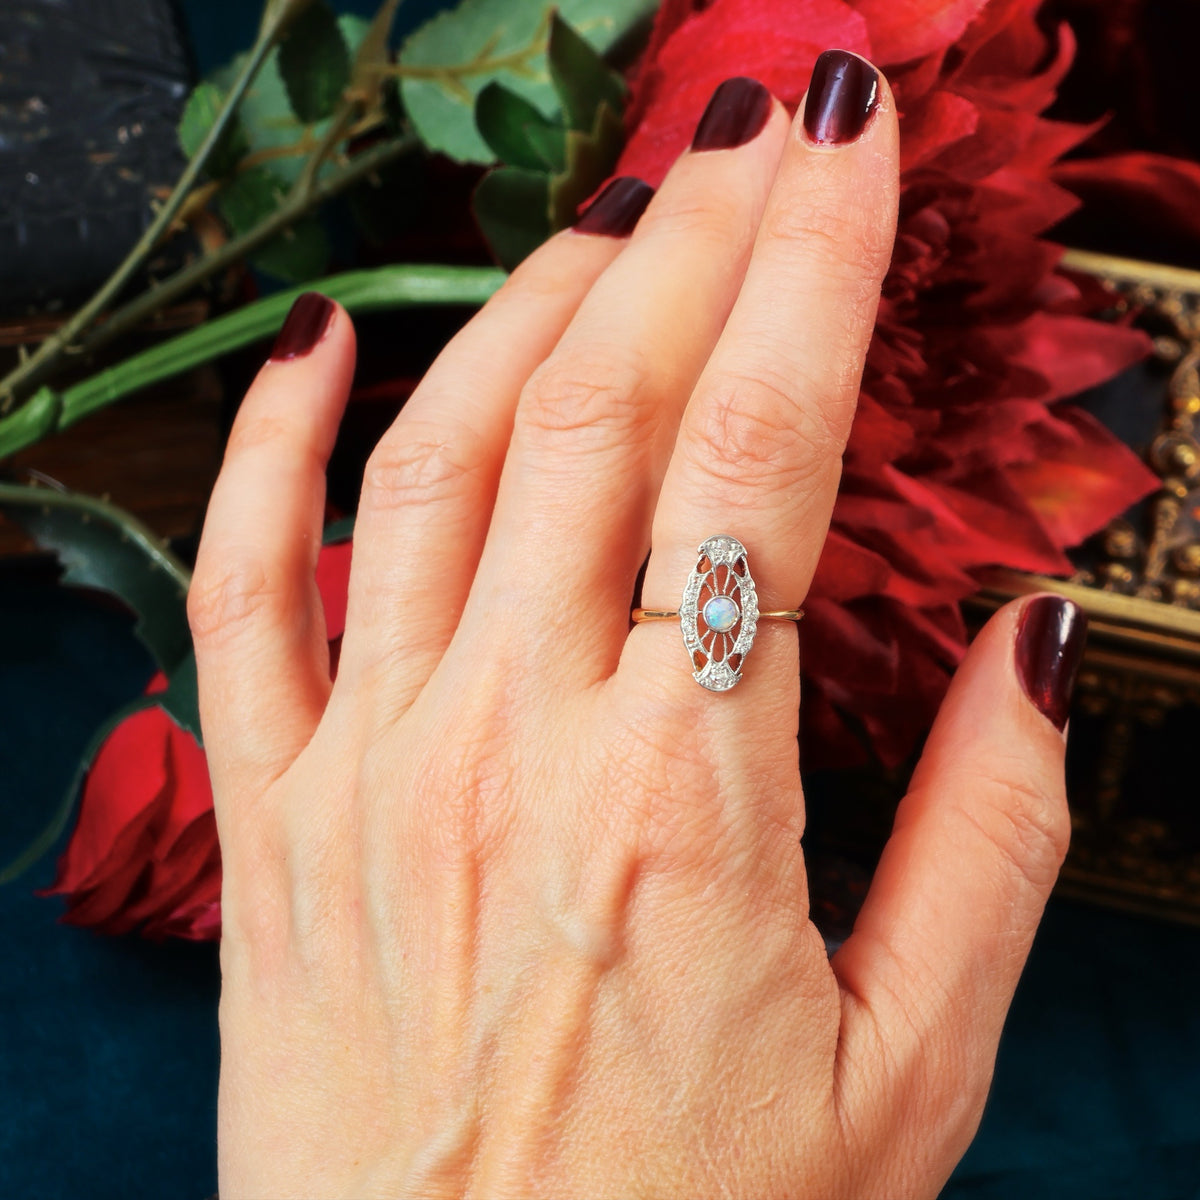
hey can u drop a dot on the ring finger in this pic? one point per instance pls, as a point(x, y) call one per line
point(595, 423)
point(758, 454)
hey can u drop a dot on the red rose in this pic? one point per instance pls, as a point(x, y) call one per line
point(962, 454)
point(143, 856)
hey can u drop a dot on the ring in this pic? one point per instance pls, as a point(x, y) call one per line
point(718, 613)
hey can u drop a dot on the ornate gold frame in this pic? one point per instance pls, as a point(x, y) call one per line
point(1136, 842)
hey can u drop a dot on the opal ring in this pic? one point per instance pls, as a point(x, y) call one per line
point(718, 613)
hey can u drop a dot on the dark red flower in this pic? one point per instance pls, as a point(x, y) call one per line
point(143, 856)
point(962, 454)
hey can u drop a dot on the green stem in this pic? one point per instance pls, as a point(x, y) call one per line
point(45, 358)
point(293, 207)
point(383, 288)
point(358, 291)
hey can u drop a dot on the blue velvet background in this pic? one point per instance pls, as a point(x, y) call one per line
point(108, 1067)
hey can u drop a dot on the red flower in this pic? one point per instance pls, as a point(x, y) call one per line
point(962, 455)
point(144, 856)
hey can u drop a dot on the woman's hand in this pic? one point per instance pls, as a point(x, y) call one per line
point(514, 907)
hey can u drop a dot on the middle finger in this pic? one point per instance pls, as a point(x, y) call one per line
point(595, 424)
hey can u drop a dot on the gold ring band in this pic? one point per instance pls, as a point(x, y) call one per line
point(663, 614)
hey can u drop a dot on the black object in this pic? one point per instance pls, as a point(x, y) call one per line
point(90, 96)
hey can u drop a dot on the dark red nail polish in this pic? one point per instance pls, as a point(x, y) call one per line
point(305, 326)
point(1050, 640)
point(842, 95)
point(617, 209)
point(736, 114)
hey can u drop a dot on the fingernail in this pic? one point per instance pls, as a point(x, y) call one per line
point(305, 326)
point(736, 114)
point(1050, 640)
point(842, 95)
point(617, 209)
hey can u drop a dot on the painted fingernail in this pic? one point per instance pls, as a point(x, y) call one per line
point(306, 323)
point(617, 209)
point(1050, 640)
point(842, 95)
point(736, 114)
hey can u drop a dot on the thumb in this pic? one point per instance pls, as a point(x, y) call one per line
point(929, 972)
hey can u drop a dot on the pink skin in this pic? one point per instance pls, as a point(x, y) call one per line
point(514, 908)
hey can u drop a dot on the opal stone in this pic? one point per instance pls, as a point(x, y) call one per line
point(721, 614)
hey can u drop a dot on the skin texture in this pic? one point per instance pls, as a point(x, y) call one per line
point(514, 907)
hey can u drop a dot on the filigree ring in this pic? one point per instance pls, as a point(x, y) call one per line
point(718, 613)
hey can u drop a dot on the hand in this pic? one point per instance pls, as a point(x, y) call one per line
point(515, 908)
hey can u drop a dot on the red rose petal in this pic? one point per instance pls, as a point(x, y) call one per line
point(772, 42)
point(902, 30)
point(121, 801)
point(333, 582)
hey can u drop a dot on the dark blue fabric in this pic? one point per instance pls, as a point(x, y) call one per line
point(108, 1047)
point(109, 1064)
point(1097, 1088)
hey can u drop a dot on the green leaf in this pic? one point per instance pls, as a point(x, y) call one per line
point(314, 63)
point(250, 197)
point(297, 255)
point(339, 531)
point(449, 60)
point(372, 57)
point(512, 206)
point(590, 161)
point(271, 127)
point(199, 116)
point(181, 700)
point(506, 121)
point(581, 78)
point(100, 546)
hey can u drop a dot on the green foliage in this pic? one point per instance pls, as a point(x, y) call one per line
point(181, 700)
point(314, 63)
point(102, 547)
point(275, 133)
point(338, 531)
point(552, 166)
point(591, 158)
point(446, 63)
point(512, 206)
point(580, 77)
point(285, 113)
point(250, 196)
point(300, 252)
point(518, 133)
point(199, 116)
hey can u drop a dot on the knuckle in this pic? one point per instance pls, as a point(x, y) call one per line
point(702, 223)
point(252, 430)
point(538, 277)
point(419, 463)
point(751, 431)
point(238, 591)
point(1029, 829)
point(842, 240)
point(598, 390)
point(263, 431)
